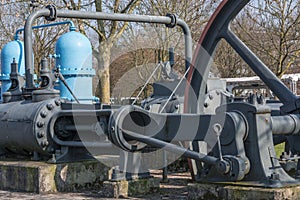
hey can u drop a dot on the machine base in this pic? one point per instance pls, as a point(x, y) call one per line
point(129, 188)
point(235, 192)
point(42, 177)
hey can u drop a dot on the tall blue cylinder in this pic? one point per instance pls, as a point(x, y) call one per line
point(74, 59)
point(13, 49)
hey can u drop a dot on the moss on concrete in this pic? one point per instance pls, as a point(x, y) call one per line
point(212, 191)
point(41, 177)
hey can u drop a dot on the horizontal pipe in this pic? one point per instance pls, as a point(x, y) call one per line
point(98, 16)
point(134, 18)
point(286, 125)
point(171, 147)
point(72, 27)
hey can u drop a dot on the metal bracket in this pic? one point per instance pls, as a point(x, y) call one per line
point(173, 20)
point(53, 12)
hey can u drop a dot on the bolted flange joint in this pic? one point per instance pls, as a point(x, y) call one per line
point(173, 22)
point(53, 12)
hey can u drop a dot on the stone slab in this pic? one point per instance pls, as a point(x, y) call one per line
point(41, 177)
point(124, 189)
point(229, 192)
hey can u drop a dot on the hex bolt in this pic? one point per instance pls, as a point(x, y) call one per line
point(274, 176)
point(45, 143)
point(50, 106)
point(44, 114)
point(57, 102)
point(40, 124)
point(41, 134)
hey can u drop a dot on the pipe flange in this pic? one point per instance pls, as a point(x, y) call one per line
point(173, 20)
point(43, 116)
point(53, 12)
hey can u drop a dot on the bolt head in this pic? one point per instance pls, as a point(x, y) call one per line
point(40, 124)
point(41, 134)
point(50, 106)
point(43, 114)
point(45, 143)
point(57, 102)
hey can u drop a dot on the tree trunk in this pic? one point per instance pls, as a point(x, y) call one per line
point(103, 87)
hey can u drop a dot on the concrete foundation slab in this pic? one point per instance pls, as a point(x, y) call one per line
point(213, 191)
point(118, 189)
point(41, 177)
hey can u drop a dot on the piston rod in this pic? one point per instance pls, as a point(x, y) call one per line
point(171, 147)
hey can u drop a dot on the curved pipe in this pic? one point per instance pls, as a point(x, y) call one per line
point(72, 27)
point(29, 69)
point(99, 16)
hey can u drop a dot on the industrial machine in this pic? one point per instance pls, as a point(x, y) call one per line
point(226, 141)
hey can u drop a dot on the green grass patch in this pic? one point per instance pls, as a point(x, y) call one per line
point(279, 148)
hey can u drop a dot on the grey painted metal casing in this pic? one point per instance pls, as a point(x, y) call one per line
point(24, 125)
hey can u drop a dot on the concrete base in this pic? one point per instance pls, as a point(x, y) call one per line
point(212, 191)
point(41, 177)
point(124, 189)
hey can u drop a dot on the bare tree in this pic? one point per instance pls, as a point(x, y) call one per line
point(12, 17)
point(272, 32)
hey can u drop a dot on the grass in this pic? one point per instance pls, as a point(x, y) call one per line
point(279, 148)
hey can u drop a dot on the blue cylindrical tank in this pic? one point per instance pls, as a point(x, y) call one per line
point(13, 49)
point(74, 59)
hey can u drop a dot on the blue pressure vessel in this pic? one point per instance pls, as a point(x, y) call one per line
point(13, 49)
point(74, 59)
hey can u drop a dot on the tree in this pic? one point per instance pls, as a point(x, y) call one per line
point(12, 17)
point(272, 32)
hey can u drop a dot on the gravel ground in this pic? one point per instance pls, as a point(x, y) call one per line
point(176, 188)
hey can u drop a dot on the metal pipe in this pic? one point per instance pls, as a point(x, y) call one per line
point(188, 43)
point(98, 16)
point(135, 18)
point(63, 80)
point(171, 147)
point(29, 69)
point(72, 27)
point(286, 125)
